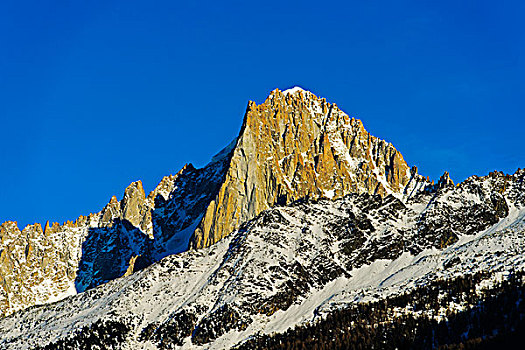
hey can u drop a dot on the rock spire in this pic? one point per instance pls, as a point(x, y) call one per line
point(296, 145)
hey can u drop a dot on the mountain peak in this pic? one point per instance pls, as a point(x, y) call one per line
point(302, 146)
point(293, 146)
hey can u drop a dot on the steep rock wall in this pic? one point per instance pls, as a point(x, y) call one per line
point(296, 145)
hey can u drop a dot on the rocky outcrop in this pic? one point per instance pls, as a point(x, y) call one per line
point(134, 208)
point(296, 145)
point(38, 266)
point(445, 180)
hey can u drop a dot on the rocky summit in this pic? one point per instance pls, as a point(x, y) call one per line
point(305, 227)
point(294, 146)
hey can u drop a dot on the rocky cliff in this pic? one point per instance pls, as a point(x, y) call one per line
point(296, 145)
point(293, 146)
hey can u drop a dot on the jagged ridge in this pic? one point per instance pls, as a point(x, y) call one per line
point(297, 264)
point(293, 146)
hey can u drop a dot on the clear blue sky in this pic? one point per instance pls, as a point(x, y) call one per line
point(97, 94)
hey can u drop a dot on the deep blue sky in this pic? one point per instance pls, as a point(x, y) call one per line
point(97, 94)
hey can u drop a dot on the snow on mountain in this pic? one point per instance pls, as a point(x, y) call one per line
point(294, 264)
point(293, 90)
point(302, 215)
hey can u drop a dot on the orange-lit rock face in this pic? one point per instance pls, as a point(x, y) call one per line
point(296, 145)
point(30, 260)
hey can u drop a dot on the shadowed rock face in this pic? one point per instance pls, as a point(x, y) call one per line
point(40, 266)
point(293, 146)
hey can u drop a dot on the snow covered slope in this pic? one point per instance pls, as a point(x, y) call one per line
point(294, 264)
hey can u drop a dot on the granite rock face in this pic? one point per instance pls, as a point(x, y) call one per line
point(293, 146)
point(134, 208)
point(36, 266)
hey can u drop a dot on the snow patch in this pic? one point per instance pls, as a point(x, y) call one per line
point(294, 90)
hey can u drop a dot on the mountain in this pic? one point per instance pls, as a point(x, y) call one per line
point(295, 264)
point(303, 221)
point(293, 146)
